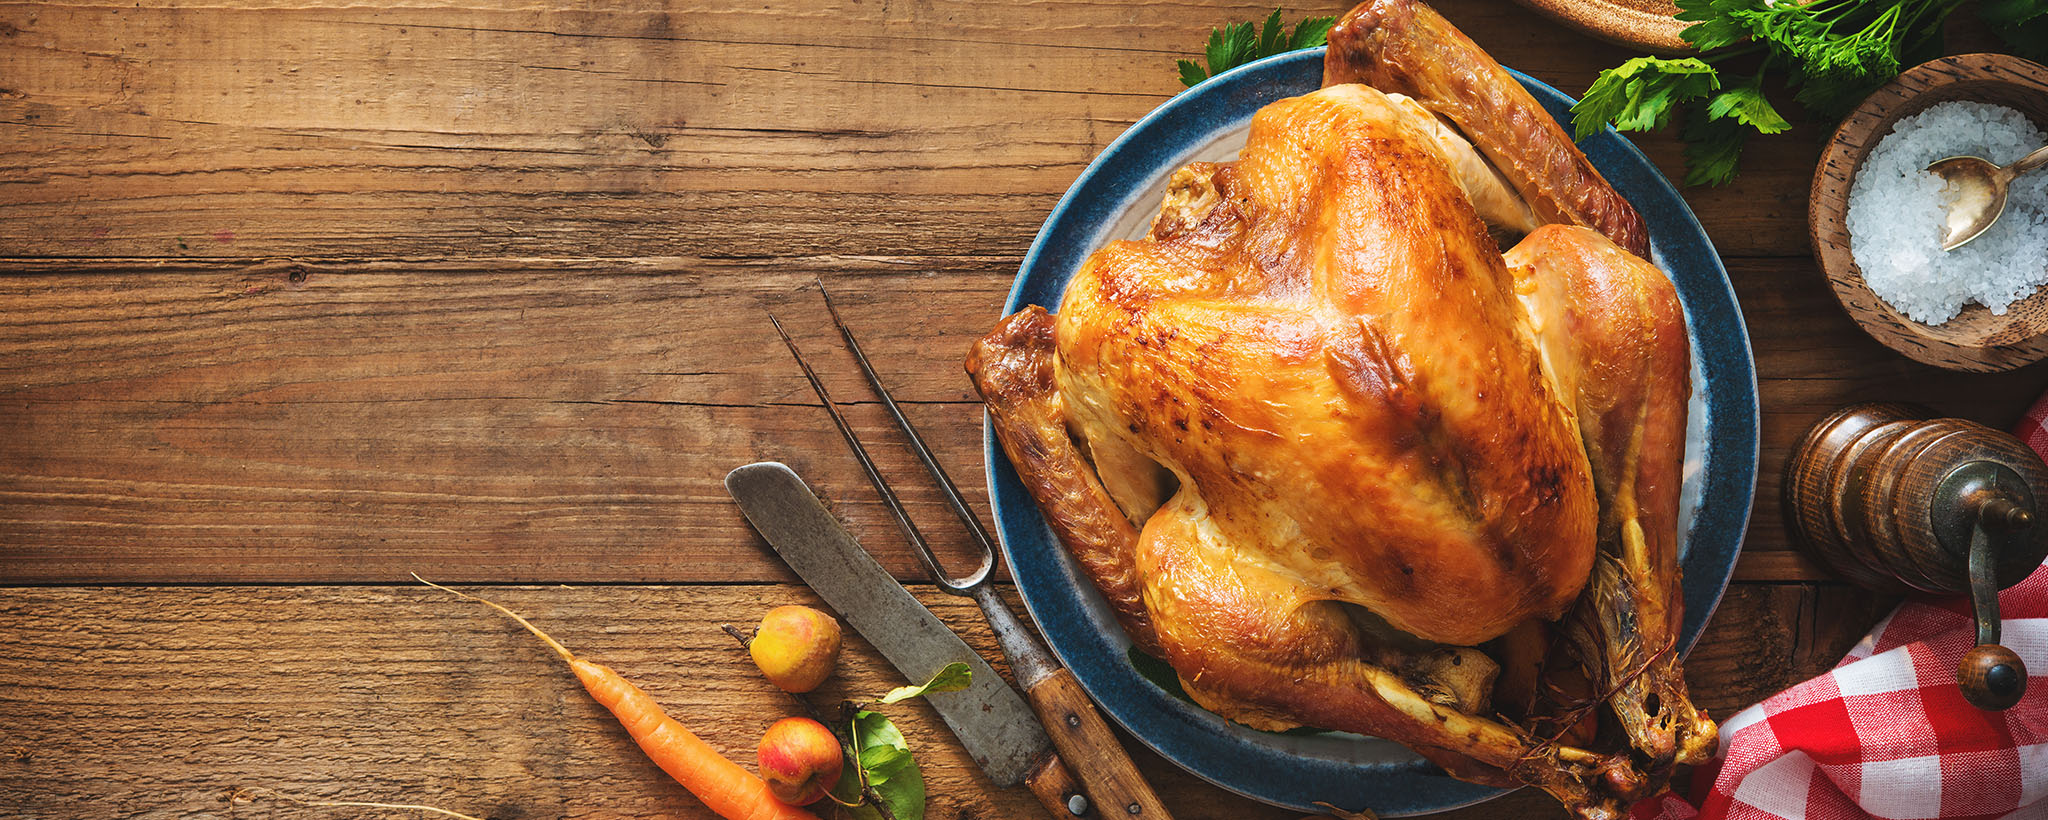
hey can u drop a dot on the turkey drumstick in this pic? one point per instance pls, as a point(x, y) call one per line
point(1341, 463)
point(1612, 328)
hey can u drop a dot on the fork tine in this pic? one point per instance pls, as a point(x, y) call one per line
point(867, 465)
point(917, 445)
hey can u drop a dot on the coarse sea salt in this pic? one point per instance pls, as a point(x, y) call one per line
point(1897, 209)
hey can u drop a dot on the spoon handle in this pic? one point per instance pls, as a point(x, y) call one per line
point(2038, 158)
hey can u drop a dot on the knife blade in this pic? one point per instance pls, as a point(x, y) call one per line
point(991, 720)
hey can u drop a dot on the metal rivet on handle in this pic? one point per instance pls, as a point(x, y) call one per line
point(1073, 720)
point(1077, 805)
point(1133, 808)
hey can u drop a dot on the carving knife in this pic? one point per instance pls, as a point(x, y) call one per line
point(992, 721)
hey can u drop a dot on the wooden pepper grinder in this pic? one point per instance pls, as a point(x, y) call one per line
point(1890, 498)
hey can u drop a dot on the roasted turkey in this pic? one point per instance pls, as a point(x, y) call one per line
point(1343, 463)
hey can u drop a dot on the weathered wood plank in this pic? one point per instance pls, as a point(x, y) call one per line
point(1766, 637)
point(1779, 565)
point(406, 694)
point(780, 128)
point(364, 329)
point(278, 426)
point(570, 420)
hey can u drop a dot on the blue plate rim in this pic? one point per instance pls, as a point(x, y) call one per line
point(1732, 444)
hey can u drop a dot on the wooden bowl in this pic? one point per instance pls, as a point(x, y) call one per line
point(1645, 24)
point(1975, 340)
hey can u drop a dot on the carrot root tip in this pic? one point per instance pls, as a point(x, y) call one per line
point(551, 642)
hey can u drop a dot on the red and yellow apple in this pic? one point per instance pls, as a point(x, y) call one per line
point(800, 759)
point(796, 647)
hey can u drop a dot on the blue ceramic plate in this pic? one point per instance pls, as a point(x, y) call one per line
point(1115, 198)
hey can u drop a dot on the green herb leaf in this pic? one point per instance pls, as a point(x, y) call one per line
point(1746, 104)
point(891, 771)
point(1841, 51)
point(872, 730)
point(1712, 148)
point(953, 678)
point(1272, 36)
point(1311, 32)
point(1832, 54)
point(1832, 88)
point(885, 763)
point(1219, 51)
point(2011, 12)
point(884, 755)
point(2022, 24)
point(1712, 27)
point(1239, 43)
point(1793, 29)
point(1641, 94)
point(1714, 135)
point(1244, 45)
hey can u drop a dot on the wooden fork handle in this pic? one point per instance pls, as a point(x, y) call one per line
point(1056, 788)
point(1115, 789)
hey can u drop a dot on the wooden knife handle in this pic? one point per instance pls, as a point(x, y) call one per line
point(1058, 790)
point(1115, 789)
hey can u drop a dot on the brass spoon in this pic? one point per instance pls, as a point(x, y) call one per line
point(1980, 192)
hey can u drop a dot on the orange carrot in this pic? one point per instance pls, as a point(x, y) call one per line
point(731, 791)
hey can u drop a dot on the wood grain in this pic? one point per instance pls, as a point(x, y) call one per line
point(158, 702)
point(1767, 637)
point(409, 695)
point(1057, 789)
point(539, 420)
point(564, 422)
point(320, 292)
point(1090, 749)
point(279, 128)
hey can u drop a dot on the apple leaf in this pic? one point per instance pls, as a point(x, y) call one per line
point(953, 678)
point(888, 768)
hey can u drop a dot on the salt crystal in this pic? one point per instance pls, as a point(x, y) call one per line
point(1897, 209)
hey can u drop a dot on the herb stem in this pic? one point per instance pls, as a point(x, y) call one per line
point(1720, 54)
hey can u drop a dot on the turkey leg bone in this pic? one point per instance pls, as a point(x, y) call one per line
point(1614, 333)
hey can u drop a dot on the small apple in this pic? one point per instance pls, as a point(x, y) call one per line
point(796, 647)
point(800, 759)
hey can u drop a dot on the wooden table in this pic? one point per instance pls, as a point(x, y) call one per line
point(301, 297)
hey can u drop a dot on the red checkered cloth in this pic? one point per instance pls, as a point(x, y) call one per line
point(1887, 734)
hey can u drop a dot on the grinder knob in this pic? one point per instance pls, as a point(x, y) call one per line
point(1891, 500)
point(1993, 677)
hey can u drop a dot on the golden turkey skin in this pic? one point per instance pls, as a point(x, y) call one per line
point(1343, 463)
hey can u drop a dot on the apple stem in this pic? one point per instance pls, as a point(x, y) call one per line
point(745, 642)
point(846, 753)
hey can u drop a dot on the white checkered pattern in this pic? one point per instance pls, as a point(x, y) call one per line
point(1887, 734)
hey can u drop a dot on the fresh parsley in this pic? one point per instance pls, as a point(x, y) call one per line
point(2022, 23)
point(1239, 43)
point(1831, 53)
point(1642, 94)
